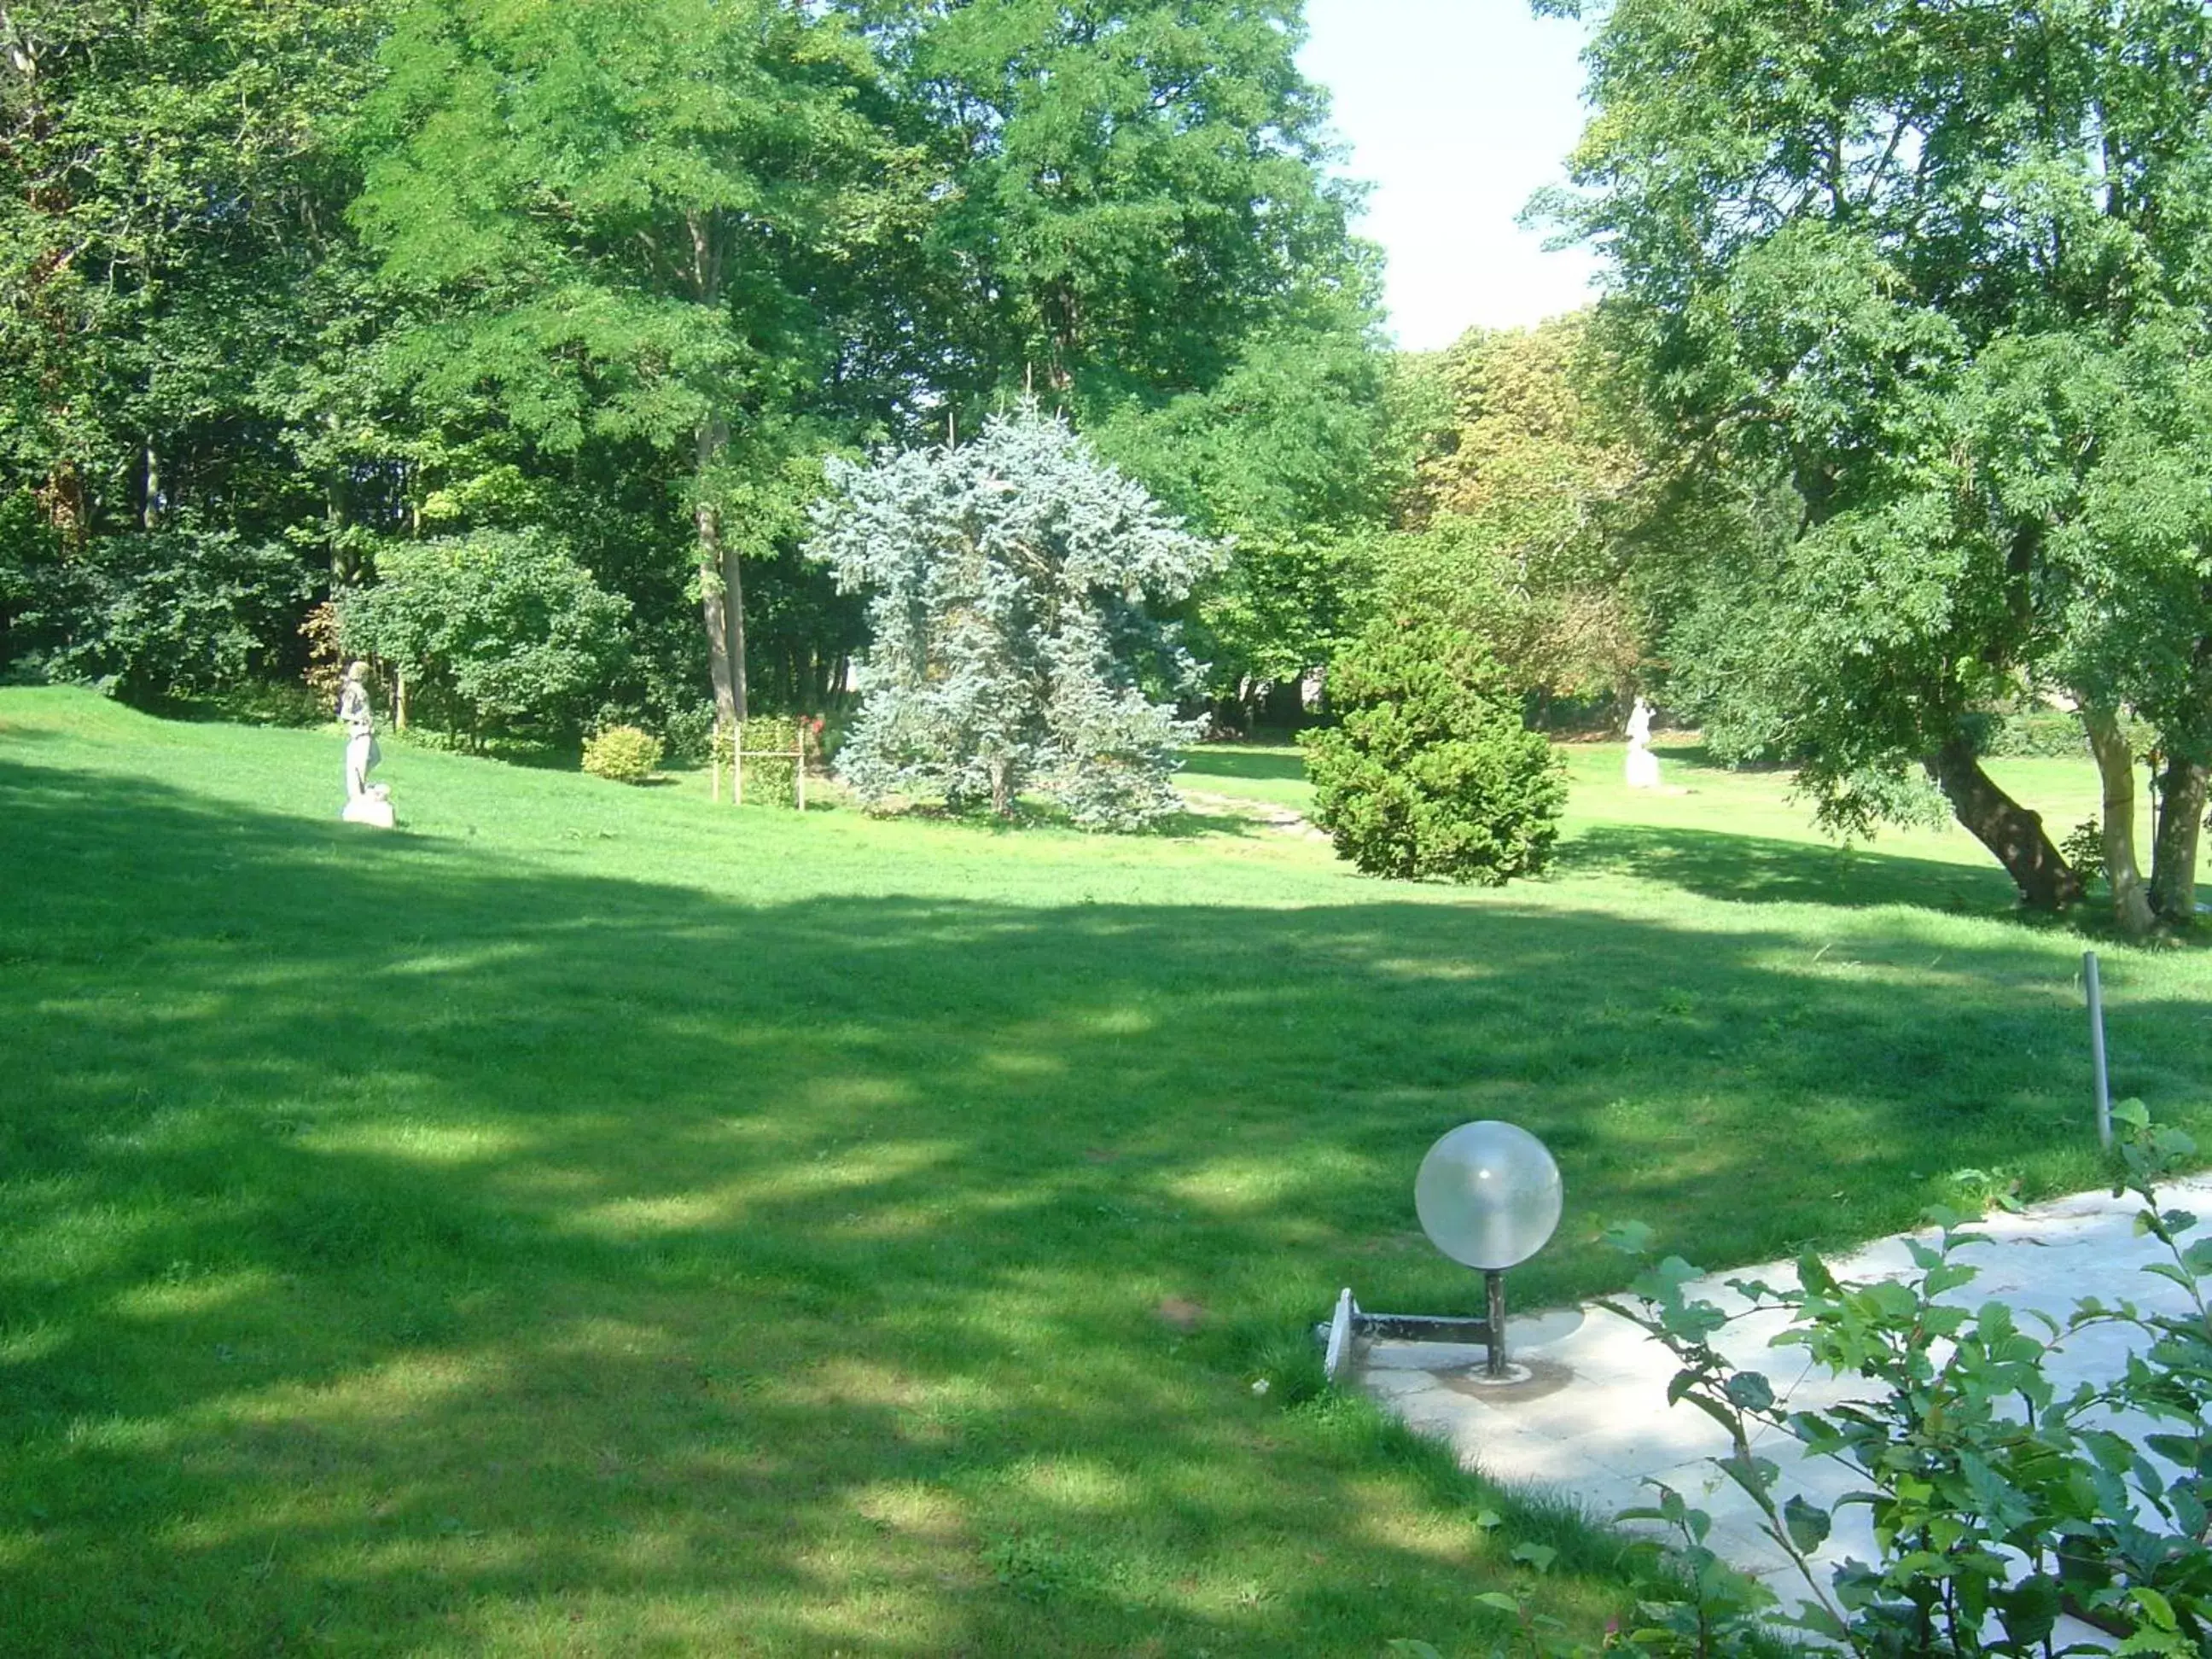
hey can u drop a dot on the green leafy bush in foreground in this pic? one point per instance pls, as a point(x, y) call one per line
point(622, 754)
point(1997, 1501)
point(1431, 771)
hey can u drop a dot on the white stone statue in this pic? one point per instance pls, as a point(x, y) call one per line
point(365, 802)
point(1642, 766)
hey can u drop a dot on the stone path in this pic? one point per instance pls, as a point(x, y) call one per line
point(1592, 1419)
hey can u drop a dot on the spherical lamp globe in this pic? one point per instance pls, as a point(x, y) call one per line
point(1488, 1195)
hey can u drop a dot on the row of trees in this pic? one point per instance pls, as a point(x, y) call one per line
point(1896, 410)
point(1899, 411)
point(285, 285)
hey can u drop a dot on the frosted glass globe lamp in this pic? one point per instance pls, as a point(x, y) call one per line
point(1488, 1195)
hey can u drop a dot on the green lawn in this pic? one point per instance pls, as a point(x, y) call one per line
point(595, 1222)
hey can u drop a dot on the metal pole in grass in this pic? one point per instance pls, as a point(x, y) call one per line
point(2097, 1047)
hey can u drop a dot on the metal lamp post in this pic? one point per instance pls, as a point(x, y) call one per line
point(1488, 1195)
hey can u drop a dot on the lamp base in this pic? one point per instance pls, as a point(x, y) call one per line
point(1481, 1376)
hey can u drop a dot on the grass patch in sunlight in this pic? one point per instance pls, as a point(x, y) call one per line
point(593, 1221)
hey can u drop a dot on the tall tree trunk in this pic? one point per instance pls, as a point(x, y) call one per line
point(2182, 787)
point(2131, 912)
point(717, 601)
point(733, 585)
point(721, 586)
point(343, 568)
point(2009, 830)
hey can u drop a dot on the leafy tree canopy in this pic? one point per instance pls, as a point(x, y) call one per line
point(1531, 483)
point(497, 631)
point(1909, 263)
point(1133, 187)
point(336, 276)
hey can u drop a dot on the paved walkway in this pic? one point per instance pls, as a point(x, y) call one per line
point(1592, 1420)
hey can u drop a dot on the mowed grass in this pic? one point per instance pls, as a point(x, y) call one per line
point(592, 1221)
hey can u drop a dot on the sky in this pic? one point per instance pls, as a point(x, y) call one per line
point(1454, 110)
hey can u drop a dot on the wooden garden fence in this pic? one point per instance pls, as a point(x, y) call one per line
point(739, 754)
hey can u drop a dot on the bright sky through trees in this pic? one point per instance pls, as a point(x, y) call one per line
point(1455, 111)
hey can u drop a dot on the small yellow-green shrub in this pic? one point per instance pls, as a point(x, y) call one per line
point(622, 753)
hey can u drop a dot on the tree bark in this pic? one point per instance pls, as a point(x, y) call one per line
point(721, 598)
point(2009, 830)
point(2182, 787)
point(343, 568)
point(2131, 911)
point(721, 586)
point(733, 585)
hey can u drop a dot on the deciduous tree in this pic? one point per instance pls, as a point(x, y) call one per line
point(611, 214)
point(1879, 251)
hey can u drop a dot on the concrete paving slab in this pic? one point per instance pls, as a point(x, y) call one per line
point(1592, 1422)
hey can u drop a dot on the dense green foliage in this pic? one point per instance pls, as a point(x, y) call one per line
point(622, 754)
point(1011, 584)
point(500, 631)
point(1287, 462)
point(161, 615)
point(771, 744)
point(1527, 491)
point(1430, 770)
point(330, 276)
point(1936, 276)
point(2000, 1496)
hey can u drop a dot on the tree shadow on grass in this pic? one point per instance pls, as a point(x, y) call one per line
point(1224, 762)
point(1761, 869)
point(1191, 824)
point(408, 1250)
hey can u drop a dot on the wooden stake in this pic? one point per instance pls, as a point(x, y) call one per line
point(2097, 1048)
point(798, 778)
point(738, 767)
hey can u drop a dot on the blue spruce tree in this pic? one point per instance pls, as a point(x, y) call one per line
point(1012, 649)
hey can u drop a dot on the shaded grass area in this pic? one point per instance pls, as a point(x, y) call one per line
point(1275, 773)
point(592, 1224)
point(1764, 869)
point(1739, 836)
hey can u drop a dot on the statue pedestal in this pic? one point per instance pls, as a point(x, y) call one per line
point(376, 808)
point(1642, 770)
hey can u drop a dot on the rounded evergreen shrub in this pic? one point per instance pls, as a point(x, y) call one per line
point(1430, 770)
point(622, 754)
